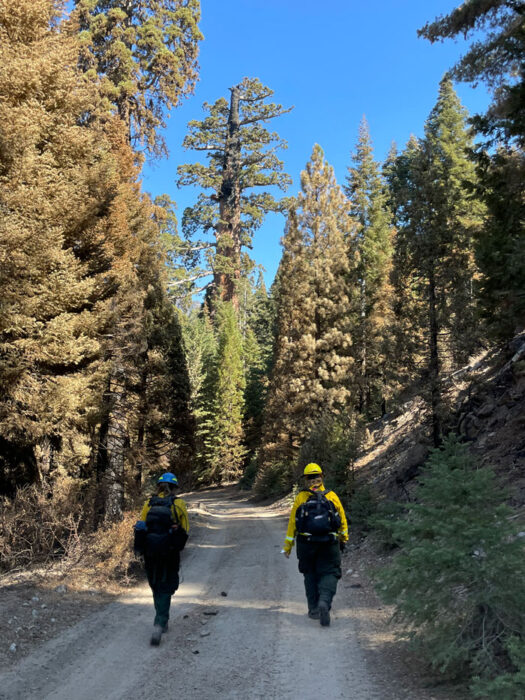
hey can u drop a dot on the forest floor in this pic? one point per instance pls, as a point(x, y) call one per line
point(238, 626)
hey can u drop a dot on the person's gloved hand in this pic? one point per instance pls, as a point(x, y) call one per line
point(342, 546)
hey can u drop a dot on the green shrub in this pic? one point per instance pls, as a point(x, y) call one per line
point(382, 524)
point(458, 581)
point(333, 444)
point(362, 506)
point(247, 480)
point(506, 686)
point(272, 479)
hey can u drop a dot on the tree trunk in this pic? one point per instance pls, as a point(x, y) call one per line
point(227, 270)
point(364, 389)
point(44, 458)
point(110, 463)
point(141, 418)
point(434, 365)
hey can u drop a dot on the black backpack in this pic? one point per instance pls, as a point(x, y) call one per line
point(161, 540)
point(317, 518)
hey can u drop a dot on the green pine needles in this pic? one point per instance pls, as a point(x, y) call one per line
point(458, 580)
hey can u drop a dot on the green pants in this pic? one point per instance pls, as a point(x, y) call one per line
point(163, 578)
point(320, 564)
point(162, 602)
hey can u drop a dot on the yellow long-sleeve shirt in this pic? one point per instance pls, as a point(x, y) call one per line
point(179, 511)
point(301, 498)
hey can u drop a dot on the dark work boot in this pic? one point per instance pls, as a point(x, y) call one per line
point(313, 614)
point(324, 613)
point(155, 637)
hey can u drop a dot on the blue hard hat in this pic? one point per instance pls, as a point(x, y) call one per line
point(168, 478)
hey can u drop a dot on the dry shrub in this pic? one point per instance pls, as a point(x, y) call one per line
point(40, 523)
point(109, 553)
point(40, 526)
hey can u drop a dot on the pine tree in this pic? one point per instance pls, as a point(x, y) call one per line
point(315, 309)
point(225, 448)
point(56, 259)
point(408, 327)
point(141, 359)
point(241, 153)
point(497, 59)
point(82, 300)
point(164, 424)
point(258, 338)
point(500, 245)
point(457, 581)
point(200, 351)
point(366, 193)
point(436, 245)
point(282, 426)
point(145, 52)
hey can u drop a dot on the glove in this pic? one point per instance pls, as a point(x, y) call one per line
point(342, 547)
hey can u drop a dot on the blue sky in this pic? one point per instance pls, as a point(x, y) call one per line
point(335, 61)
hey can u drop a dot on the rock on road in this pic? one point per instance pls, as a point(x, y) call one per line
point(254, 642)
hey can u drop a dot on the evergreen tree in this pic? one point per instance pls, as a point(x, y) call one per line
point(165, 429)
point(287, 406)
point(258, 346)
point(457, 214)
point(225, 448)
point(315, 309)
point(56, 259)
point(500, 249)
point(241, 153)
point(200, 350)
point(366, 193)
point(81, 302)
point(136, 349)
point(436, 246)
point(457, 581)
point(408, 306)
point(497, 58)
point(145, 52)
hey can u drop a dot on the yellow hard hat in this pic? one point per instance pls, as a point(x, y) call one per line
point(312, 469)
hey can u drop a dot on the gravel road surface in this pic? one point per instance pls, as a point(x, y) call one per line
point(238, 629)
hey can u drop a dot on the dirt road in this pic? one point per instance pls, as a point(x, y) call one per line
point(238, 629)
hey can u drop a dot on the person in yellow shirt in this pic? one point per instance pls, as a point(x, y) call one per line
point(162, 532)
point(318, 524)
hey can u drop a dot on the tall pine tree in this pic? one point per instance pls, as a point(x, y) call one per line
point(435, 247)
point(315, 308)
point(57, 261)
point(366, 192)
point(225, 448)
point(241, 159)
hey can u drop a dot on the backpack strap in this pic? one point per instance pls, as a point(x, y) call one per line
point(173, 508)
point(174, 511)
point(316, 493)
